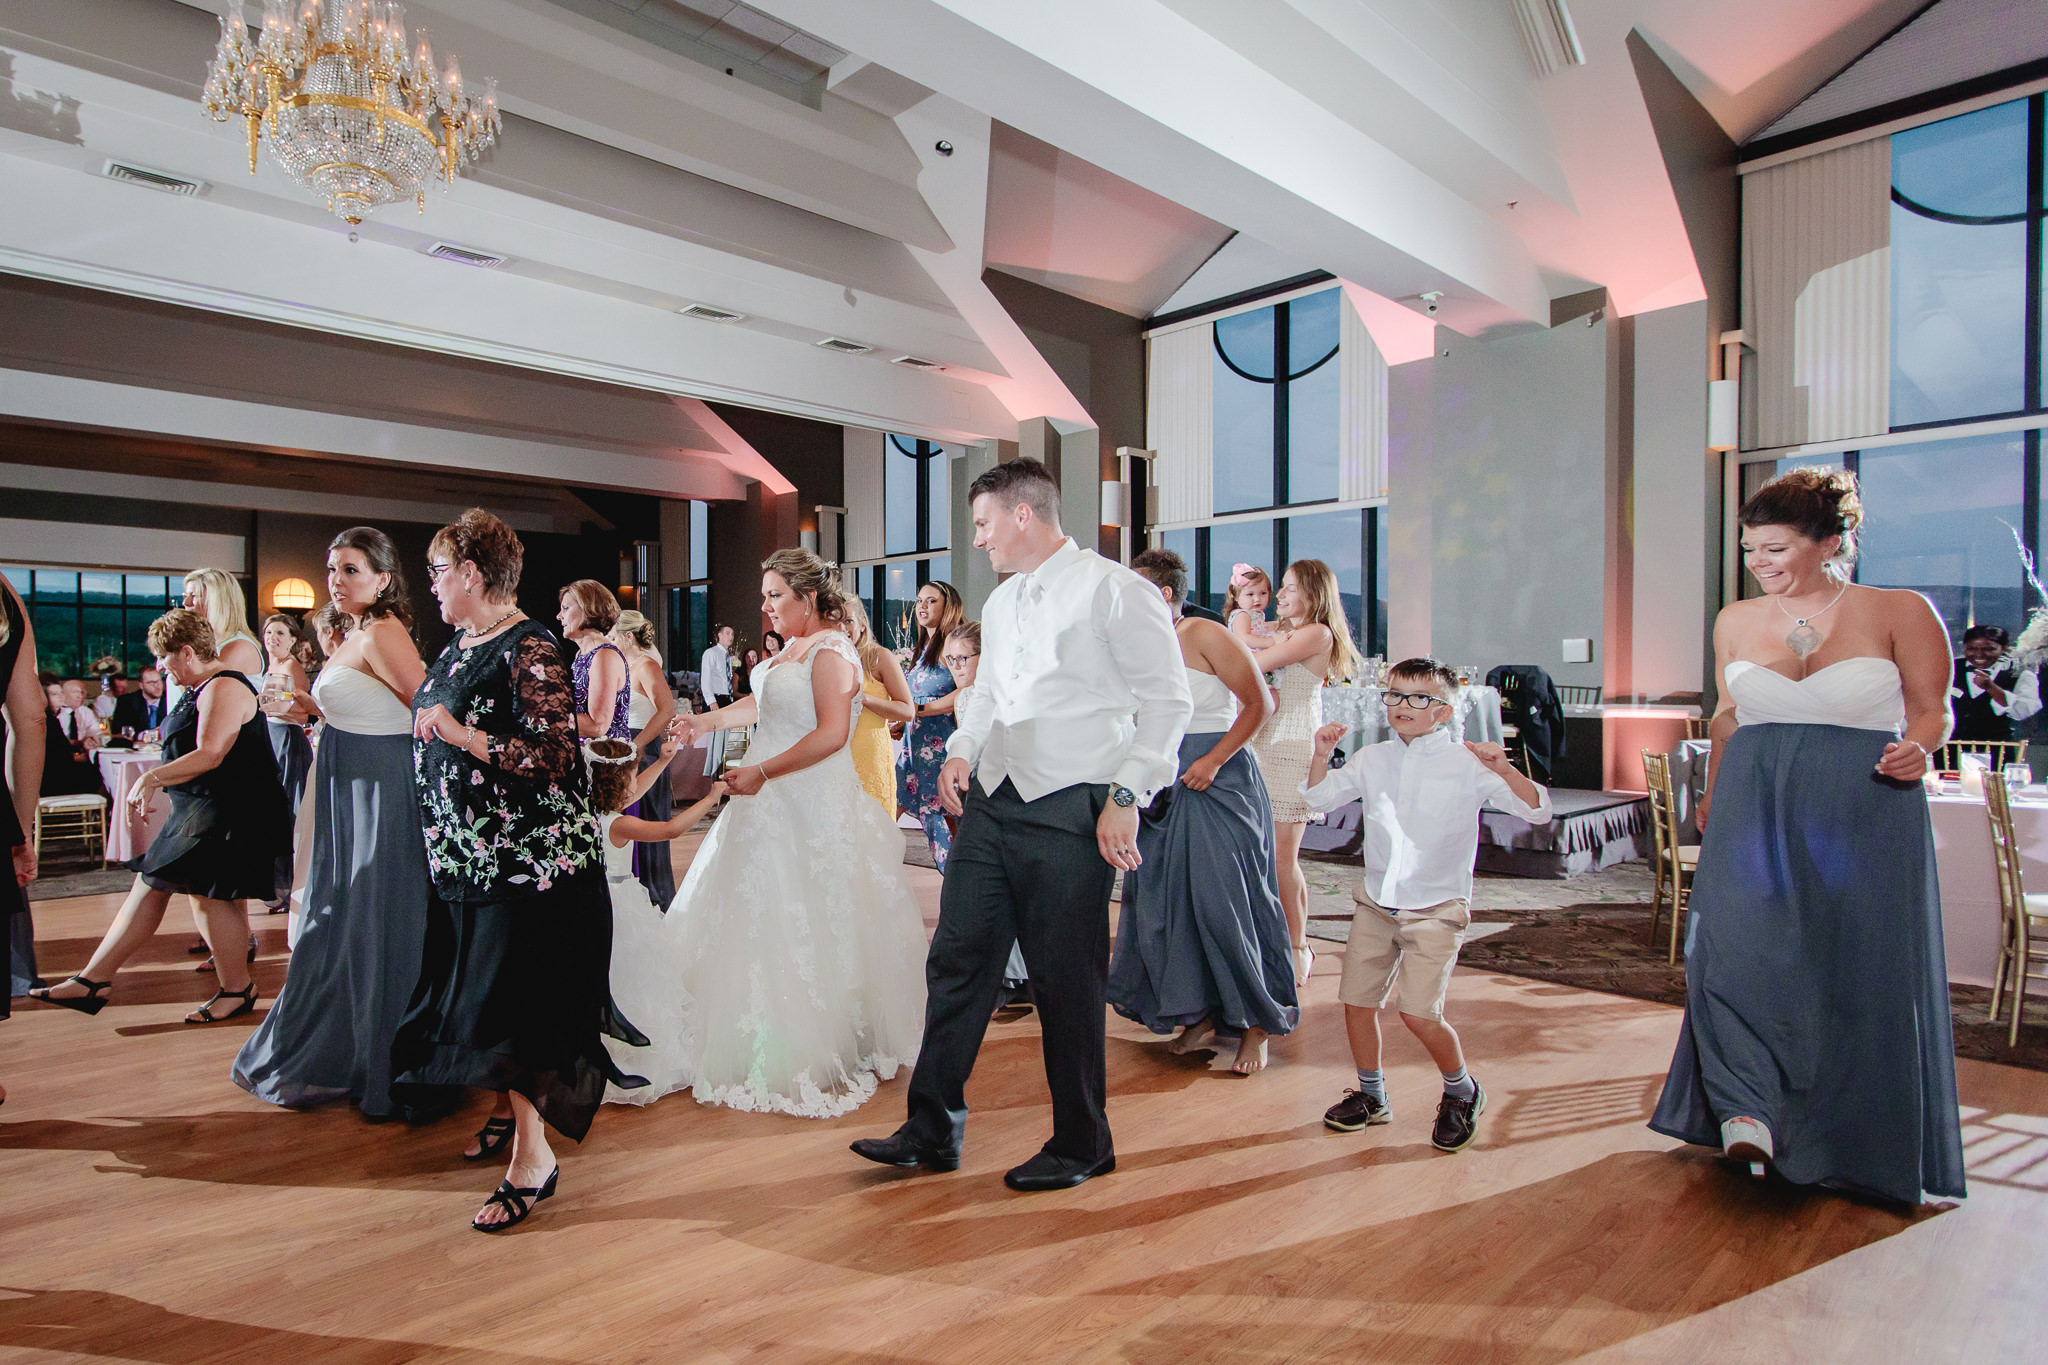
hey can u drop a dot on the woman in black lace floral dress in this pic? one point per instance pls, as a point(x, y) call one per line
point(513, 992)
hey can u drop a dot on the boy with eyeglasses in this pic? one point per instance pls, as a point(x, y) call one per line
point(1422, 792)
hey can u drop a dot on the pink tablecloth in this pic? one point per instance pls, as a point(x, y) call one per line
point(127, 836)
point(1969, 885)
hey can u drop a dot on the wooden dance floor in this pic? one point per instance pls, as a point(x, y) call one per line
point(150, 1211)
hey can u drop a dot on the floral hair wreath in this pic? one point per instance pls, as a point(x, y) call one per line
point(590, 752)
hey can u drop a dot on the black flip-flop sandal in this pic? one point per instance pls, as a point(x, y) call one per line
point(516, 1201)
point(491, 1139)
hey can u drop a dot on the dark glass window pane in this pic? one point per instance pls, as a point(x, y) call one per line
point(1243, 412)
point(897, 627)
point(21, 579)
point(1247, 542)
point(55, 585)
point(900, 473)
point(700, 540)
point(1380, 578)
point(100, 589)
point(1959, 288)
point(104, 634)
point(135, 640)
point(1338, 539)
point(1937, 519)
point(700, 624)
point(939, 475)
point(147, 590)
point(57, 639)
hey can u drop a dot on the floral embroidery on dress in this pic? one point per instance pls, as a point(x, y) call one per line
point(519, 821)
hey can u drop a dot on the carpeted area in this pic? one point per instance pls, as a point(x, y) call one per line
point(1592, 932)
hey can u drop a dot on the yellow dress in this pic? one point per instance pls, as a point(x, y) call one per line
point(874, 755)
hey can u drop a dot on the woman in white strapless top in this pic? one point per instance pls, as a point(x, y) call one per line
point(357, 956)
point(1817, 1032)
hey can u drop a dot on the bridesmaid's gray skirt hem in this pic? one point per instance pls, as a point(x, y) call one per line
point(1816, 984)
point(1201, 930)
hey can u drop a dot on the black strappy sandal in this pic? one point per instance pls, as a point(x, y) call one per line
point(92, 1002)
point(516, 1201)
point(205, 1015)
point(491, 1139)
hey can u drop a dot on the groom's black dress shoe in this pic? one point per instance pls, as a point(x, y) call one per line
point(899, 1150)
point(1047, 1171)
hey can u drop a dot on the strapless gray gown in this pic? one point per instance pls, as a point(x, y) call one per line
point(1816, 982)
point(328, 1036)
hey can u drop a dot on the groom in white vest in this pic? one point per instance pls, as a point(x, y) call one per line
point(1081, 701)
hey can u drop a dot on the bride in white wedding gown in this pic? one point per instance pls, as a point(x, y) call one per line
point(788, 975)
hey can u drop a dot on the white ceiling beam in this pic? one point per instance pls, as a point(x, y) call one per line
point(1141, 91)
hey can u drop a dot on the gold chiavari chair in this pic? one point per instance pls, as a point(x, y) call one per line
point(1675, 861)
point(1511, 733)
point(1576, 694)
point(1699, 727)
point(2023, 919)
point(83, 818)
point(1996, 753)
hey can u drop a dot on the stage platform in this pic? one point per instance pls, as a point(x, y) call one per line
point(155, 1213)
point(1587, 831)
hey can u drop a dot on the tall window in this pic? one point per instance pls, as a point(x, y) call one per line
point(1947, 519)
point(1969, 196)
point(889, 592)
point(689, 607)
point(916, 496)
point(1275, 433)
point(81, 617)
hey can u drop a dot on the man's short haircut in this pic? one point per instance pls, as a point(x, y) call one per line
point(1022, 481)
point(1425, 670)
point(1166, 569)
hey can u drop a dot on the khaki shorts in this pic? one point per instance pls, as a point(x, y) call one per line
point(1412, 950)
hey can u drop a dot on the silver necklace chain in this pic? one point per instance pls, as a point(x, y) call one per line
point(1803, 639)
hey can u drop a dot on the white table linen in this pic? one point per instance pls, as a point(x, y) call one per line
point(127, 835)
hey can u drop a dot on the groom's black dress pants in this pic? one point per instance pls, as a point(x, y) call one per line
point(1029, 872)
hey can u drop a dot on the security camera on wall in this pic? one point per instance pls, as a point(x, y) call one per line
point(1429, 301)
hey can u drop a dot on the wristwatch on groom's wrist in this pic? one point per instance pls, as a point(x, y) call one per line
point(1122, 795)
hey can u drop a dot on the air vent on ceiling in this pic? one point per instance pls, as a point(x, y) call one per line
point(152, 180)
point(917, 362)
point(845, 347)
point(710, 314)
point(463, 255)
point(1549, 35)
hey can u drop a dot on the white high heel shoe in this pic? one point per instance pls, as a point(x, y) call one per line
point(1744, 1139)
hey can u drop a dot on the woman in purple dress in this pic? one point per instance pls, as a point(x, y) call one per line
point(604, 679)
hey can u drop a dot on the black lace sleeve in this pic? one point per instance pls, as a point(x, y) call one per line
point(545, 748)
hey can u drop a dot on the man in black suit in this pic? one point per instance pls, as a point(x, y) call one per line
point(143, 709)
point(1987, 694)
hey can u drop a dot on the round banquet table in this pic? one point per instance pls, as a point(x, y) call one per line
point(1476, 718)
point(128, 835)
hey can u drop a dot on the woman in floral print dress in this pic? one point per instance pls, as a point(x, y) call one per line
point(939, 610)
point(513, 993)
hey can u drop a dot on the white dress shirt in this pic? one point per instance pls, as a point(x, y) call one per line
point(714, 675)
point(1081, 680)
point(2022, 699)
point(1422, 803)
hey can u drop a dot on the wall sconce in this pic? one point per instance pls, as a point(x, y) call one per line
point(1724, 413)
point(1114, 503)
point(808, 539)
point(291, 594)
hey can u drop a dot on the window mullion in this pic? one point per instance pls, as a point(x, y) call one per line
point(1280, 423)
point(2037, 208)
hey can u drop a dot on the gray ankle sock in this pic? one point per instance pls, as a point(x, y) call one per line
point(1461, 1086)
point(1374, 1083)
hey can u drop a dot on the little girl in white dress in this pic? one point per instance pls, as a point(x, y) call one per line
point(1244, 608)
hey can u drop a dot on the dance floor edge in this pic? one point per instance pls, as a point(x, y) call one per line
point(153, 1212)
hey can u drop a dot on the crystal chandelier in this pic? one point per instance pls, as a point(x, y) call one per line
point(354, 115)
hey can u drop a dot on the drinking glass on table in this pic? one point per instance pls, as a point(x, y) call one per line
point(2017, 775)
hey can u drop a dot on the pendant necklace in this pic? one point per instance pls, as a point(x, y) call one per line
point(1803, 639)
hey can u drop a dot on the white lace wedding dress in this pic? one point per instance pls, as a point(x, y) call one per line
point(788, 976)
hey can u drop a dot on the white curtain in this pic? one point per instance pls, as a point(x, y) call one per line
point(861, 536)
point(1361, 409)
point(1180, 422)
point(1816, 292)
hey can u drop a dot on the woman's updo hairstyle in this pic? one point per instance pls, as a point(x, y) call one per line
point(382, 556)
point(1817, 503)
point(486, 542)
point(636, 627)
point(807, 574)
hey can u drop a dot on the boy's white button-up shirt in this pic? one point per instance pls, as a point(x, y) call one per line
point(1422, 802)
